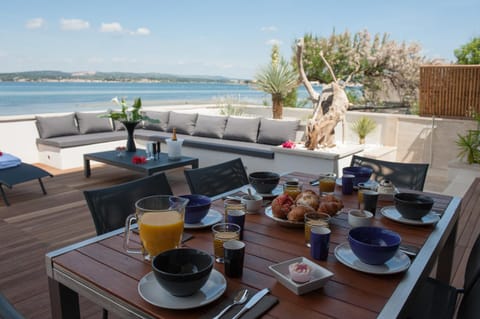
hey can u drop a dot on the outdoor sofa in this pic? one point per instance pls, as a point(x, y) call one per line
point(63, 139)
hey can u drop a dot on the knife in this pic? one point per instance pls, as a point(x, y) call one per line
point(256, 298)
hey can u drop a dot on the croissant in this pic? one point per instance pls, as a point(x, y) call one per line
point(297, 213)
point(330, 205)
point(308, 198)
point(281, 206)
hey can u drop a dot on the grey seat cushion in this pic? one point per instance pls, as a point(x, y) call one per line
point(92, 123)
point(275, 132)
point(82, 139)
point(52, 126)
point(210, 126)
point(184, 123)
point(242, 129)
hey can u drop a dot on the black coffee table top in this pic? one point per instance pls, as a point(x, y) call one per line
point(126, 161)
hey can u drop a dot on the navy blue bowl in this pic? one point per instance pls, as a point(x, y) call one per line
point(373, 245)
point(361, 173)
point(264, 182)
point(413, 206)
point(197, 208)
point(182, 271)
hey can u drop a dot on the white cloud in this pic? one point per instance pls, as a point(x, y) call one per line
point(274, 42)
point(35, 23)
point(269, 29)
point(74, 24)
point(142, 31)
point(111, 27)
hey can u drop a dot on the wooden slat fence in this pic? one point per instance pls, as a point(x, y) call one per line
point(450, 90)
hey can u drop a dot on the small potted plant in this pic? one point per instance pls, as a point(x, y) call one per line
point(469, 144)
point(363, 126)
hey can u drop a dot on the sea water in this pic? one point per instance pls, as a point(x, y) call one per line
point(18, 98)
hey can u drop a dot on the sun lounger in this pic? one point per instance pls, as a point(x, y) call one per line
point(19, 174)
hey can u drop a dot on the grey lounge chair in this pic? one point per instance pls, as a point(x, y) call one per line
point(402, 175)
point(216, 179)
point(7, 310)
point(20, 174)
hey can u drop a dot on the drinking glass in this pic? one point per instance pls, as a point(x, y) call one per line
point(292, 188)
point(327, 183)
point(315, 220)
point(223, 232)
point(160, 220)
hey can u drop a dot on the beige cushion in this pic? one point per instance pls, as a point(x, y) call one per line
point(242, 129)
point(275, 132)
point(51, 126)
point(210, 126)
point(92, 123)
point(183, 122)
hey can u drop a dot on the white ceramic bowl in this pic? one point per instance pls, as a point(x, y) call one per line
point(359, 218)
point(253, 202)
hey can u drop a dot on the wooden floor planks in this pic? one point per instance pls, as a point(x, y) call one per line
point(35, 224)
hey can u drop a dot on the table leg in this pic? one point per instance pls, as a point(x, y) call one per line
point(195, 163)
point(63, 300)
point(4, 196)
point(86, 167)
point(445, 259)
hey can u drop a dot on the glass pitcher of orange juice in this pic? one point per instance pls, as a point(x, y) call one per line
point(160, 220)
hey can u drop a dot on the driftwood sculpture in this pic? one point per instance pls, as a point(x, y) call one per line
point(329, 108)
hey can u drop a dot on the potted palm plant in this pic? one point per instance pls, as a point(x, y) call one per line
point(278, 78)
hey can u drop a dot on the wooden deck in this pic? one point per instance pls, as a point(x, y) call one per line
point(35, 224)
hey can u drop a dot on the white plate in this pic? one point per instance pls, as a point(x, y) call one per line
point(211, 218)
point(392, 213)
point(151, 291)
point(398, 263)
point(320, 276)
point(283, 222)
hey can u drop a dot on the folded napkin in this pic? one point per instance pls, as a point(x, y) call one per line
point(261, 307)
point(8, 160)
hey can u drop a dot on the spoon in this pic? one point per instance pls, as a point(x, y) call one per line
point(250, 196)
point(240, 297)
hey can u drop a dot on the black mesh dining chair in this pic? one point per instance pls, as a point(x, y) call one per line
point(435, 299)
point(110, 206)
point(402, 175)
point(217, 179)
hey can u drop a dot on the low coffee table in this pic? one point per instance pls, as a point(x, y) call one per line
point(150, 167)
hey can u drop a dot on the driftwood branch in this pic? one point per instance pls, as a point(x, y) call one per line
point(328, 67)
point(329, 107)
point(314, 96)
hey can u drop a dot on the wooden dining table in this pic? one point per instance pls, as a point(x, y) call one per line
point(99, 268)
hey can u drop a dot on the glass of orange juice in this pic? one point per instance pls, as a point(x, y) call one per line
point(160, 220)
point(327, 183)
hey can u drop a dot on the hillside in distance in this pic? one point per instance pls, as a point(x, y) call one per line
point(108, 76)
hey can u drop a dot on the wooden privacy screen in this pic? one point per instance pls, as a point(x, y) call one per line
point(450, 90)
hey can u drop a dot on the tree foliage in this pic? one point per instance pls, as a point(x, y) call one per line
point(370, 61)
point(469, 53)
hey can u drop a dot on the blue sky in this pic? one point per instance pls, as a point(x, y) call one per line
point(210, 37)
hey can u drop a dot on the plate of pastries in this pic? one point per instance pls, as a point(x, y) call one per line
point(290, 212)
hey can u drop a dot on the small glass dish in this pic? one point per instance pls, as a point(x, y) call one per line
point(319, 274)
